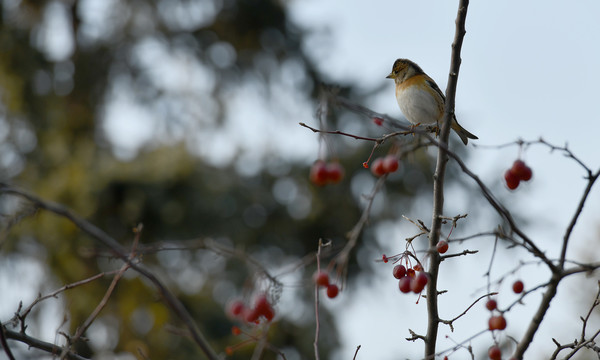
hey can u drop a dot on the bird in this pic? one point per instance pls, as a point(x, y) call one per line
point(420, 99)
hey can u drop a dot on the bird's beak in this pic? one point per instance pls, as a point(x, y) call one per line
point(390, 76)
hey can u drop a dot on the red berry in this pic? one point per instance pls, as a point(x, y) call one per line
point(527, 174)
point(321, 278)
point(418, 283)
point(378, 121)
point(236, 308)
point(399, 271)
point(262, 304)
point(384, 258)
point(418, 267)
point(332, 291)
point(442, 246)
point(229, 350)
point(494, 353)
point(491, 304)
point(497, 323)
point(235, 330)
point(268, 313)
point(521, 171)
point(512, 180)
point(404, 284)
point(518, 287)
point(390, 163)
point(251, 315)
point(262, 307)
point(335, 172)
point(422, 279)
point(377, 167)
point(318, 173)
point(410, 272)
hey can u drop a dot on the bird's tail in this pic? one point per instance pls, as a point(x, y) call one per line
point(462, 132)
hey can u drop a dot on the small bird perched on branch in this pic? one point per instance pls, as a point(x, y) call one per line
point(419, 97)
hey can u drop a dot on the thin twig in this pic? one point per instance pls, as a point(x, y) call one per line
point(356, 352)
point(22, 314)
point(449, 322)
point(343, 257)
point(88, 322)
point(39, 344)
point(565, 149)
point(583, 342)
point(460, 344)
point(463, 253)
point(96, 233)
point(563, 253)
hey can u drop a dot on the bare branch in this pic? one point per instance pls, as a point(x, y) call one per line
point(438, 182)
point(88, 322)
point(4, 344)
point(22, 314)
point(96, 233)
point(563, 253)
point(343, 257)
point(356, 352)
point(42, 345)
point(535, 322)
point(415, 336)
point(379, 140)
point(463, 253)
point(449, 322)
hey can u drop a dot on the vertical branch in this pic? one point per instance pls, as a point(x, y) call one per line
point(438, 183)
point(317, 324)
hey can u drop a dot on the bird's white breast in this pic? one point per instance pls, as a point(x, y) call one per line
point(418, 105)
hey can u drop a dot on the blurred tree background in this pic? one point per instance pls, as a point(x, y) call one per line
point(146, 111)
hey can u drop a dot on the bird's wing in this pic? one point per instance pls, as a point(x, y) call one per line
point(435, 87)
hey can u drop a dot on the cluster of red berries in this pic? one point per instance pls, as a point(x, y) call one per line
point(322, 280)
point(262, 309)
point(517, 173)
point(322, 173)
point(496, 322)
point(385, 165)
point(412, 279)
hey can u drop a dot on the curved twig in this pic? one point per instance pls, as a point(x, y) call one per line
point(96, 233)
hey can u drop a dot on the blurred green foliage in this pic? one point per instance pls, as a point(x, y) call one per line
point(53, 101)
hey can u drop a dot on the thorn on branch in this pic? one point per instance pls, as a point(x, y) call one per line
point(415, 336)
